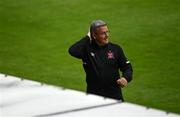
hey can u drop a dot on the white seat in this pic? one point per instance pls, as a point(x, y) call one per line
point(29, 98)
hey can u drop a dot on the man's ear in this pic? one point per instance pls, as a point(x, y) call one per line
point(93, 35)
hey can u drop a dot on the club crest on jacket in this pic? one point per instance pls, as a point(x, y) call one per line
point(110, 55)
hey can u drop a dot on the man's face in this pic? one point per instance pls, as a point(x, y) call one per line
point(101, 35)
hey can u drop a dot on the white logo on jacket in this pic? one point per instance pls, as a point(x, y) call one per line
point(92, 54)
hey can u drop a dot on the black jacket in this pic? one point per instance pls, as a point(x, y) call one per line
point(102, 64)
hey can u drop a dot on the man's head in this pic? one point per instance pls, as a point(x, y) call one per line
point(99, 31)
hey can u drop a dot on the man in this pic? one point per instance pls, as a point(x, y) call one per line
point(102, 61)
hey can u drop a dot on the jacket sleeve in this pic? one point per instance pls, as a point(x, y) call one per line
point(78, 49)
point(125, 65)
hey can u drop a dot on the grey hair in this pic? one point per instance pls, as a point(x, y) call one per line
point(95, 24)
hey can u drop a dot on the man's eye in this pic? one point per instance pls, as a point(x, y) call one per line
point(105, 33)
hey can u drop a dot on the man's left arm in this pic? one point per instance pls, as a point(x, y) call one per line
point(126, 68)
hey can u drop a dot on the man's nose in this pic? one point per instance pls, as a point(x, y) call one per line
point(107, 34)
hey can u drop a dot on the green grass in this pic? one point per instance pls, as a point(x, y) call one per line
point(35, 36)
